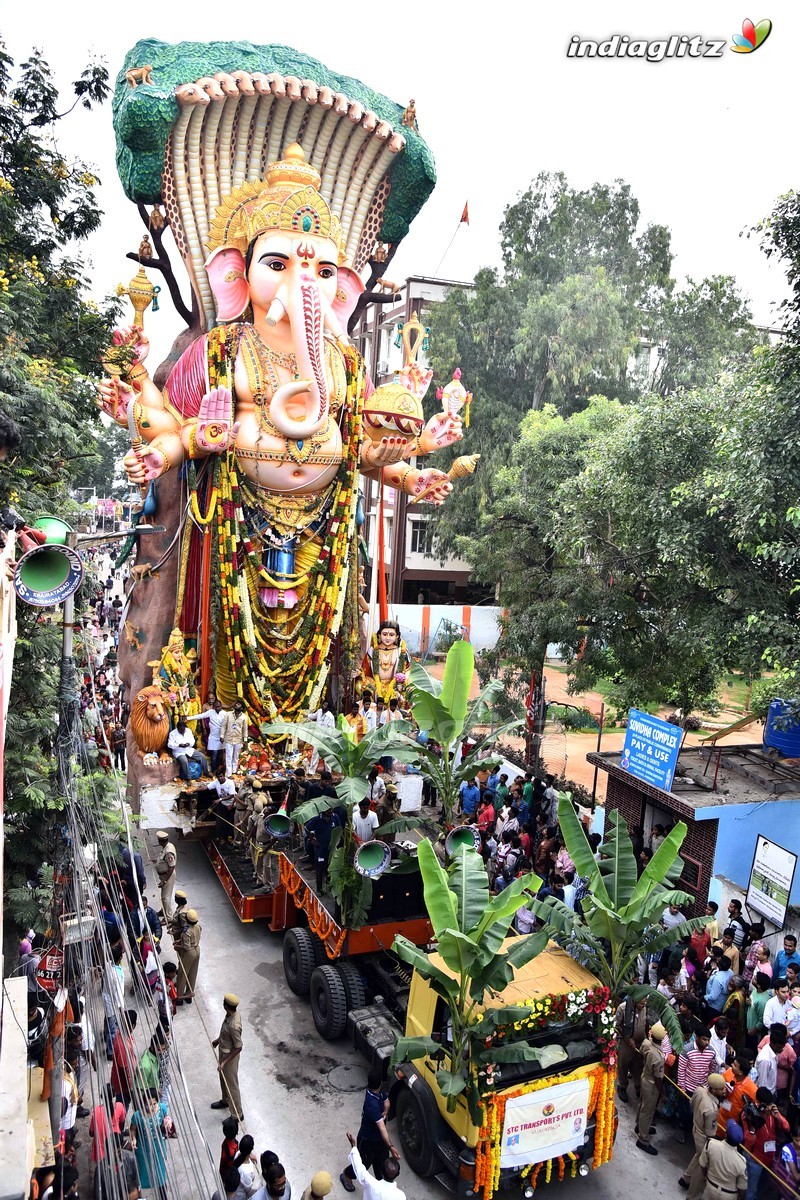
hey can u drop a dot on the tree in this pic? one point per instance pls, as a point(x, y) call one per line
point(621, 913)
point(701, 329)
point(102, 469)
point(51, 337)
point(470, 930)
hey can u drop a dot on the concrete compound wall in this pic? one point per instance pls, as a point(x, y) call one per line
point(419, 624)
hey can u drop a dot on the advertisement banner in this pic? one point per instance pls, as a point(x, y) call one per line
point(771, 879)
point(542, 1124)
point(651, 749)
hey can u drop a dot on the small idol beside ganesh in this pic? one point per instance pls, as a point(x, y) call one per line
point(389, 661)
point(276, 189)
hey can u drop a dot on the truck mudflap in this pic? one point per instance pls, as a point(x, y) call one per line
point(442, 1154)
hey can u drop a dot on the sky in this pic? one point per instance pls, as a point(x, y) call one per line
point(707, 144)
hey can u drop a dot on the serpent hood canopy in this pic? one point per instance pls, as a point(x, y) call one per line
point(195, 121)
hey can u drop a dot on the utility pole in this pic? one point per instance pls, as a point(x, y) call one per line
point(68, 698)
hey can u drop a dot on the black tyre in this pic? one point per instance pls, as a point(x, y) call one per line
point(298, 960)
point(353, 987)
point(328, 1002)
point(415, 1136)
point(320, 953)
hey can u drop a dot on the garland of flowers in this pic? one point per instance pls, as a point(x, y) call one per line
point(319, 919)
point(281, 667)
point(571, 1006)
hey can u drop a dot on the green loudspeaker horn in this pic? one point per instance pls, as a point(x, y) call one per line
point(372, 858)
point(463, 835)
point(54, 529)
point(279, 825)
point(49, 574)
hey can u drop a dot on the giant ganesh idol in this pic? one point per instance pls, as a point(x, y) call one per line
point(279, 189)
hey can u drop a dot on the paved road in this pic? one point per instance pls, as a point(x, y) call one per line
point(291, 1104)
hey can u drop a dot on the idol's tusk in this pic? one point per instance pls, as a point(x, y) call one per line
point(276, 312)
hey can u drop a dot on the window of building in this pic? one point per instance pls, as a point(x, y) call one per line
point(421, 537)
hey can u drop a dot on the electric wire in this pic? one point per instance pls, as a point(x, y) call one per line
point(85, 828)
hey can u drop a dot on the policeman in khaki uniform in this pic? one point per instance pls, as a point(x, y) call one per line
point(705, 1112)
point(230, 1047)
point(724, 1167)
point(187, 948)
point(178, 922)
point(652, 1086)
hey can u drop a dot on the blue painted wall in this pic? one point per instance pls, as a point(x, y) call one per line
point(739, 825)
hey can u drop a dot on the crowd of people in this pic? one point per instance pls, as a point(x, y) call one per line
point(734, 1079)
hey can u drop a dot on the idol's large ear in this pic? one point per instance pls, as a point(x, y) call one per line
point(225, 270)
point(349, 287)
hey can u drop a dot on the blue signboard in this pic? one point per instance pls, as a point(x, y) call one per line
point(651, 749)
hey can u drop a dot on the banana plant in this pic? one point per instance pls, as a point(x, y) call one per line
point(353, 760)
point(470, 928)
point(443, 711)
point(621, 914)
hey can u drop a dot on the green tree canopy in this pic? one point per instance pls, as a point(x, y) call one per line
point(51, 337)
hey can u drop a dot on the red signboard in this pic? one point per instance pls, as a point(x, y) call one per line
point(49, 973)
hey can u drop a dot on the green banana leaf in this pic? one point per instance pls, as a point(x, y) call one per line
point(618, 863)
point(440, 901)
point(580, 851)
point(480, 710)
point(398, 825)
point(451, 1083)
point(442, 984)
point(427, 708)
point(469, 884)
point(650, 910)
point(409, 1049)
point(666, 1013)
point(312, 808)
point(457, 950)
point(555, 913)
point(499, 971)
point(458, 669)
point(489, 1021)
point(515, 1053)
point(656, 870)
point(504, 905)
point(351, 791)
point(330, 744)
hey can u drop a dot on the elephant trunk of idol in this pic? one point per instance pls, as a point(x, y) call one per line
point(306, 317)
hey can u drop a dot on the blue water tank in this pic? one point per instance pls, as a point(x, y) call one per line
point(780, 736)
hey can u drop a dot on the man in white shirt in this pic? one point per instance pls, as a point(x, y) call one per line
point(550, 801)
point(223, 809)
point(365, 821)
point(570, 890)
point(370, 715)
point(766, 1069)
point(326, 720)
point(214, 717)
point(233, 733)
point(775, 1008)
point(376, 1189)
point(181, 744)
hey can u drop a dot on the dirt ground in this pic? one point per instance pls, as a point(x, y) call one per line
point(564, 751)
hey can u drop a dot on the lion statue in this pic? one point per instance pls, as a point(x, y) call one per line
point(150, 721)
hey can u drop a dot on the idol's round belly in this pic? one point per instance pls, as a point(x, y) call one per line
point(264, 459)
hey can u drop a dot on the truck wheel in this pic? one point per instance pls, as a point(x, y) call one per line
point(415, 1137)
point(320, 953)
point(353, 987)
point(298, 960)
point(328, 1002)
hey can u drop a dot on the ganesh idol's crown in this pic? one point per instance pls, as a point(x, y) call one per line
point(287, 200)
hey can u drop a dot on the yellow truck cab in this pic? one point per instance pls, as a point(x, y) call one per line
point(550, 1116)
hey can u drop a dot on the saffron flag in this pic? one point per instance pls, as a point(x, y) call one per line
point(465, 215)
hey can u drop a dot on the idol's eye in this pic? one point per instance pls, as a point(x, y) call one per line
point(274, 264)
point(327, 272)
